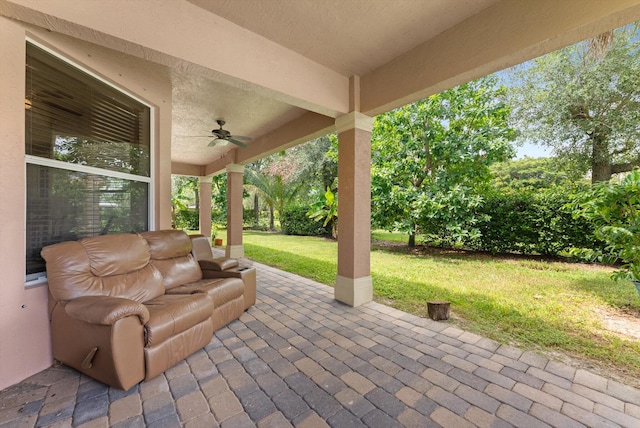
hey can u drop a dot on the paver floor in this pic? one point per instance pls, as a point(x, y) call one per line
point(299, 358)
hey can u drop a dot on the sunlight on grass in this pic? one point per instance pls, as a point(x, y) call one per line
point(383, 235)
point(551, 306)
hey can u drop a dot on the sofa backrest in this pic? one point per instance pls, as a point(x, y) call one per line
point(201, 250)
point(171, 255)
point(200, 247)
point(109, 265)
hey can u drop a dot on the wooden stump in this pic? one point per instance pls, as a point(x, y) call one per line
point(438, 310)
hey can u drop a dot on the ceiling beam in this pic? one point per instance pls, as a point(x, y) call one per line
point(179, 34)
point(300, 130)
point(178, 168)
point(505, 34)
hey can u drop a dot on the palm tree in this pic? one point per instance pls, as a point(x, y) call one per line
point(276, 192)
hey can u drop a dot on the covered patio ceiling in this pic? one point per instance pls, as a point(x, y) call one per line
point(282, 71)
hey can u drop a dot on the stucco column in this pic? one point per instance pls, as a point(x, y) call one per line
point(25, 341)
point(353, 283)
point(235, 174)
point(204, 187)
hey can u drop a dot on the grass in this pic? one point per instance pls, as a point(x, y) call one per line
point(383, 235)
point(535, 304)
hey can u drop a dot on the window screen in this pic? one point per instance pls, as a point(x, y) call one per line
point(88, 156)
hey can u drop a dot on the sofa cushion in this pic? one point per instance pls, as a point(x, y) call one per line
point(171, 254)
point(200, 247)
point(167, 244)
point(170, 315)
point(140, 285)
point(178, 271)
point(116, 254)
point(69, 271)
point(74, 268)
point(221, 290)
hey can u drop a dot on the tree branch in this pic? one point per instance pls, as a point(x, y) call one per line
point(624, 167)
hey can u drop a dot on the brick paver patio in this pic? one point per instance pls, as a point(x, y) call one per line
point(299, 358)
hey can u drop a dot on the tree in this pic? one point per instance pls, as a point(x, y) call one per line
point(184, 191)
point(529, 174)
point(274, 189)
point(583, 101)
point(316, 162)
point(430, 159)
point(326, 208)
point(615, 210)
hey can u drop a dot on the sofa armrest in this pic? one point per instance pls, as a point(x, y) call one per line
point(218, 264)
point(105, 310)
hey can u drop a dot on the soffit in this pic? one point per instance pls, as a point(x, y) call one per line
point(198, 101)
point(351, 37)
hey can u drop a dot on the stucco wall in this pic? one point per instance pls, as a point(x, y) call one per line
point(25, 345)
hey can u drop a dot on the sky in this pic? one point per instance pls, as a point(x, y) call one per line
point(532, 150)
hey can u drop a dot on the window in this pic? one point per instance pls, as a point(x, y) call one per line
point(87, 149)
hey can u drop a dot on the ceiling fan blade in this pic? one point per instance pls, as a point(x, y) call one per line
point(237, 143)
point(214, 142)
point(241, 137)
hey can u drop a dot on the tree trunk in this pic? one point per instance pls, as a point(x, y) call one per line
point(412, 237)
point(438, 310)
point(600, 172)
point(600, 162)
point(272, 224)
point(256, 208)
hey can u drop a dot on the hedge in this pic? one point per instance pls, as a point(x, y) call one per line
point(294, 221)
point(529, 223)
point(187, 220)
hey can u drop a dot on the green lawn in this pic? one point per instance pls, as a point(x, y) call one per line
point(549, 306)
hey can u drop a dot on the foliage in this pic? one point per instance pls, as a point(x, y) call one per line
point(584, 102)
point(450, 217)
point(109, 155)
point(537, 305)
point(184, 193)
point(187, 219)
point(219, 199)
point(274, 189)
point(249, 220)
point(295, 221)
point(528, 174)
point(434, 154)
point(538, 222)
point(326, 208)
point(316, 162)
point(615, 209)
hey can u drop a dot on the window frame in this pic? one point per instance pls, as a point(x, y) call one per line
point(40, 278)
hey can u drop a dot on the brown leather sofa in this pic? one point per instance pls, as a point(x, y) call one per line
point(181, 273)
point(222, 267)
point(126, 307)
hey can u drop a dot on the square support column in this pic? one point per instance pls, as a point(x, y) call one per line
point(204, 187)
point(235, 174)
point(353, 284)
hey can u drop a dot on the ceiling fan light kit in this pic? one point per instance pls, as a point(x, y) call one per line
point(225, 136)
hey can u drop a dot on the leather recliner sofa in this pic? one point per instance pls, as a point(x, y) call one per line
point(223, 267)
point(126, 307)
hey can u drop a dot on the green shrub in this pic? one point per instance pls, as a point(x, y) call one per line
point(528, 222)
point(219, 216)
point(294, 221)
point(615, 210)
point(187, 219)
